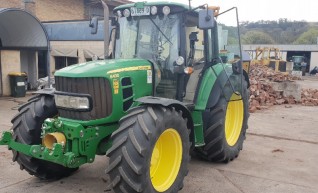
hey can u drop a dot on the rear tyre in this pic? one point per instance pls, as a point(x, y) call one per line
point(150, 151)
point(26, 128)
point(225, 126)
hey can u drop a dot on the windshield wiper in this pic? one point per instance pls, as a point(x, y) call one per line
point(158, 28)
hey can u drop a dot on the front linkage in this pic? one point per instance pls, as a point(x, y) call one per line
point(65, 143)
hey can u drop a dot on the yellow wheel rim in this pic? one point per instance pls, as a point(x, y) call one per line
point(166, 160)
point(234, 119)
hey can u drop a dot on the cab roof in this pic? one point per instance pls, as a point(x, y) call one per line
point(159, 3)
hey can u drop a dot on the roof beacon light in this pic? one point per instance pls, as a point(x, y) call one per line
point(119, 13)
point(154, 10)
point(166, 10)
point(126, 13)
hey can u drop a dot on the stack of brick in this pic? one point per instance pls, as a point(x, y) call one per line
point(261, 72)
point(264, 92)
point(309, 97)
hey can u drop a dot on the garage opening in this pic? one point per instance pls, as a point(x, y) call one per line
point(24, 47)
point(306, 54)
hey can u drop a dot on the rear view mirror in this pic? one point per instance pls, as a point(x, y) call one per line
point(94, 25)
point(206, 19)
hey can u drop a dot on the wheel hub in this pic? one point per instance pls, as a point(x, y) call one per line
point(166, 160)
point(234, 119)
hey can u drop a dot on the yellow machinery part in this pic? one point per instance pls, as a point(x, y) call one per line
point(234, 119)
point(51, 138)
point(166, 160)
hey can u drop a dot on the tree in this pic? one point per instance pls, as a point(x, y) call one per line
point(308, 37)
point(257, 37)
point(282, 31)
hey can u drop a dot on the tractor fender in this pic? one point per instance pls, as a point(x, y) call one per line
point(45, 91)
point(179, 106)
point(219, 85)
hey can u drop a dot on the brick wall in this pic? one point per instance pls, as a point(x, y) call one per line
point(57, 10)
point(10, 62)
point(29, 6)
point(11, 4)
point(49, 10)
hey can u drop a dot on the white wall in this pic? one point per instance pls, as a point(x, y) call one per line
point(284, 56)
point(313, 60)
point(10, 62)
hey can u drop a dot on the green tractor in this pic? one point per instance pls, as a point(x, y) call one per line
point(299, 64)
point(163, 92)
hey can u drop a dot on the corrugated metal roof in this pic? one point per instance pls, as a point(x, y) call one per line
point(115, 3)
point(158, 3)
point(74, 31)
point(20, 29)
point(312, 48)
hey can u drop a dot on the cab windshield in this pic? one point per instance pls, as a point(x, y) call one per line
point(152, 38)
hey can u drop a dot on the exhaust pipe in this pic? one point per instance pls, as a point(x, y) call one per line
point(106, 30)
point(51, 138)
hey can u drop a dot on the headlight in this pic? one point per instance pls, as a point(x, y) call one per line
point(119, 14)
point(154, 10)
point(72, 102)
point(166, 10)
point(180, 60)
point(126, 13)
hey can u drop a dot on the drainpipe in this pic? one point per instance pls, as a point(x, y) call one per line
point(48, 59)
point(106, 30)
point(1, 84)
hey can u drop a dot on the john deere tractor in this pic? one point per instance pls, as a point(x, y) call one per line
point(161, 93)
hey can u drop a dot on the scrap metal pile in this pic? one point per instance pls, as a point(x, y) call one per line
point(264, 91)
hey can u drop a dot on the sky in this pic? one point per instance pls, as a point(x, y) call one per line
point(255, 10)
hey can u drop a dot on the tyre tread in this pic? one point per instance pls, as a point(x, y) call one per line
point(27, 130)
point(126, 172)
point(216, 148)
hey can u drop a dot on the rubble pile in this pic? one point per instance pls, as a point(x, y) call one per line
point(309, 97)
point(263, 95)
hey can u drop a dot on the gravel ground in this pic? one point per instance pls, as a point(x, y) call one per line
point(279, 156)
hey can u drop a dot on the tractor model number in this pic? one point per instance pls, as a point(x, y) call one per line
point(116, 86)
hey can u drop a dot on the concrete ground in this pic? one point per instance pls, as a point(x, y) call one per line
point(309, 82)
point(279, 156)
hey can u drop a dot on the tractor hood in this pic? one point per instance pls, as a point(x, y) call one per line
point(103, 68)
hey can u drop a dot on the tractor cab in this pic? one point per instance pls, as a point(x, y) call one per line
point(298, 62)
point(169, 36)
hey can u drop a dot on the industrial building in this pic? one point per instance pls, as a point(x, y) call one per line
point(39, 37)
point(310, 52)
point(31, 40)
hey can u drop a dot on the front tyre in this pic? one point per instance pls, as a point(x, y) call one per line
point(150, 151)
point(27, 127)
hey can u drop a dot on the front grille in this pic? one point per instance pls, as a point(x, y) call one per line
point(127, 93)
point(98, 88)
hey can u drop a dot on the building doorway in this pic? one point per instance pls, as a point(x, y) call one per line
point(306, 54)
point(28, 66)
point(22, 37)
point(42, 64)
